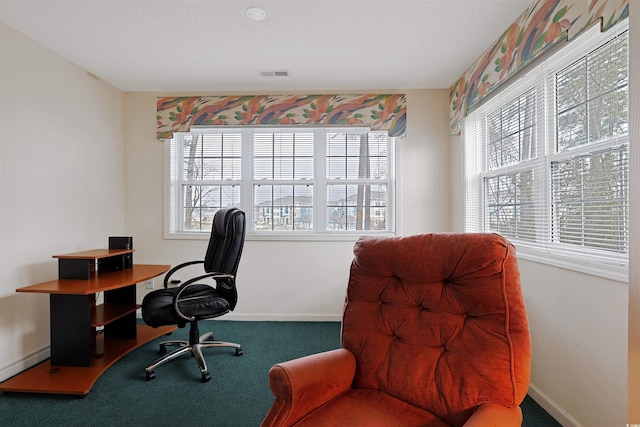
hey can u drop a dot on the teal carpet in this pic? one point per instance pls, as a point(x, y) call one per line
point(237, 395)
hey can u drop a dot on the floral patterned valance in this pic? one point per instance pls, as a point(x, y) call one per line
point(380, 112)
point(543, 24)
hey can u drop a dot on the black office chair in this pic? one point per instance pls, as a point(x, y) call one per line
point(203, 297)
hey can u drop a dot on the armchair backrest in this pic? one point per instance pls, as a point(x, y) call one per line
point(439, 321)
point(225, 247)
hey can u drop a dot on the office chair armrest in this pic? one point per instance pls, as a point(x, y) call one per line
point(493, 414)
point(176, 268)
point(304, 384)
point(176, 298)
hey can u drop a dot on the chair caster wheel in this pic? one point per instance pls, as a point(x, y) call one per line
point(206, 377)
point(162, 350)
point(239, 352)
point(150, 375)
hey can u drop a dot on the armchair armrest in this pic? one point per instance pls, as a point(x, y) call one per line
point(492, 414)
point(304, 384)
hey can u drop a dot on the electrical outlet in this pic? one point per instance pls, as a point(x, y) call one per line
point(148, 284)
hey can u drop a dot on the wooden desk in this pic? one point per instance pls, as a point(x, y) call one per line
point(78, 354)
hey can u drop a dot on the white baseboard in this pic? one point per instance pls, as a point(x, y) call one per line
point(284, 317)
point(552, 407)
point(25, 363)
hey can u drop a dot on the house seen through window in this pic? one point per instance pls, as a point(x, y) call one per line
point(288, 181)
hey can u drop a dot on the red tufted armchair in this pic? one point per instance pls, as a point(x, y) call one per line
point(434, 333)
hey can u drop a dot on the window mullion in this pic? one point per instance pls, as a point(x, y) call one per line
point(320, 182)
point(247, 185)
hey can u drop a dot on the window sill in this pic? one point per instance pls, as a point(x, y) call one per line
point(600, 268)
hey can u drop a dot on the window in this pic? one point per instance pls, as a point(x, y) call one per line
point(547, 158)
point(289, 182)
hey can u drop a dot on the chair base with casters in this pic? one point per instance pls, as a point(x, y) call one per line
point(193, 347)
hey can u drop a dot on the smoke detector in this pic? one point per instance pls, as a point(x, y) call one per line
point(256, 13)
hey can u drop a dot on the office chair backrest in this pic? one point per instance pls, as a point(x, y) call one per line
point(226, 242)
point(225, 247)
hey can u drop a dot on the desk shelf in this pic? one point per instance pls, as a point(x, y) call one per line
point(104, 314)
point(81, 265)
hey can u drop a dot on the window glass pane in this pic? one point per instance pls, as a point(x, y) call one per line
point(378, 167)
point(211, 145)
point(192, 149)
point(511, 132)
point(510, 118)
point(202, 201)
point(356, 207)
point(510, 150)
point(590, 199)
point(283, 156)
point(527, 135)
point(283, 207)
point(607, 68)
point(353, 156)
point(211, 169)
point(211, 157)
point(609, 115)
point(592, 96)
point(494, 154)
point(355, 168)
point(511, 205)
point(571, 86)
point(572, 128)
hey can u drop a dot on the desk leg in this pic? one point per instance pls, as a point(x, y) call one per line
point(70, 329)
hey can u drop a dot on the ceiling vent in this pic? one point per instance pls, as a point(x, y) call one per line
point(274, 73)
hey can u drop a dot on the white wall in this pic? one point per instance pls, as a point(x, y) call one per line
point(61, 182)
point(579, 333)
point(287, 280)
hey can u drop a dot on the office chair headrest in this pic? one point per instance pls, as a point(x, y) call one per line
point(226, 242)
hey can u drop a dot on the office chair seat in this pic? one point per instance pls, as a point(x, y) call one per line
point(201, 301)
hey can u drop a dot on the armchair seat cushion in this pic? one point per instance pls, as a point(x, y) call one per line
point(371, 408)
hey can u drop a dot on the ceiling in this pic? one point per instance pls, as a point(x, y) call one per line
point(212, 45)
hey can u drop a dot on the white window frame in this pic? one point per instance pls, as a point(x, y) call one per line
point(606, 264)
point(172, 183)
